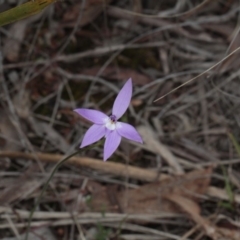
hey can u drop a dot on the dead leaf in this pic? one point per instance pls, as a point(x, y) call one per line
point(150, 198)
point(190, 185)
point(145, 200)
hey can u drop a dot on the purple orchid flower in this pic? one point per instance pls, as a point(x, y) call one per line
point(108, 126)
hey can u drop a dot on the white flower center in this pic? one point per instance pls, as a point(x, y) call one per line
point(111, 125)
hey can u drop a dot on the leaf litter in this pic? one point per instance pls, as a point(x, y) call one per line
point(172, 187)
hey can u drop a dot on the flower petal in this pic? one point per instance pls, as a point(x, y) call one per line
point(112, 142)
point(93, 134)
point(128, 131)
point(123, 99)
point(92, 115)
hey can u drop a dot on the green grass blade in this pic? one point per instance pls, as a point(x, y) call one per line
point(235, 143)
point(228, 186)
point(23, 11)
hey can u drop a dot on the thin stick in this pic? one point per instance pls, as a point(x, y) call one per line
point(229, 55)
point(198, 7)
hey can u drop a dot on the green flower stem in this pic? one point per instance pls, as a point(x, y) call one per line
point(56, 167)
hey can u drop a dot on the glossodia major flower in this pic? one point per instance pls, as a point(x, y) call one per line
point(109, 126)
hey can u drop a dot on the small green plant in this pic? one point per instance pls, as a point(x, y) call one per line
point(229, 190)
point(228, 186)
point(102, 232)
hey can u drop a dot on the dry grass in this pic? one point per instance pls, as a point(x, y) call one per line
point(183, 182)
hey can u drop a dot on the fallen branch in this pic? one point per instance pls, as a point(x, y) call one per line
point(113, 168)
point(117, 169)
